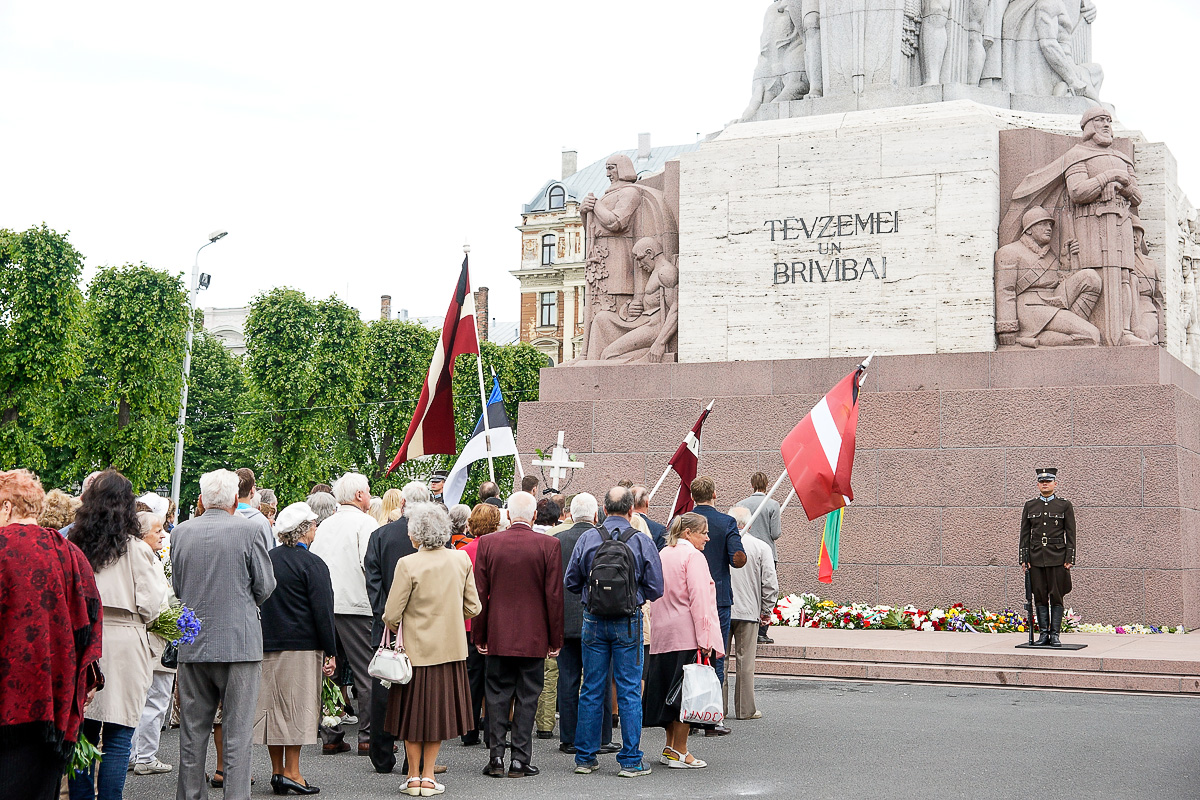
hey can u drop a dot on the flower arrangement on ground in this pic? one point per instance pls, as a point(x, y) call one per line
point(810, 611)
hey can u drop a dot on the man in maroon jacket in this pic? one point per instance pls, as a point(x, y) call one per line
point(520, 579)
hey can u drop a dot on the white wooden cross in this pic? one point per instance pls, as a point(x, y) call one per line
point(559, 463)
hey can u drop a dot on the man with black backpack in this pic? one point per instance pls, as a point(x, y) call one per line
point(615, 569)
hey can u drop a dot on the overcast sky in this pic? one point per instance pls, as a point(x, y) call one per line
point(353, 147)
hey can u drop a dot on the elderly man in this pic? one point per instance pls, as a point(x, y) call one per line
point(767, 527)
point(342, 544)
point(570, 660)
point(641, 512)
point(388, 544)
point(755, 590)
point(519, 576)
point(613, 642)
point(220, 569)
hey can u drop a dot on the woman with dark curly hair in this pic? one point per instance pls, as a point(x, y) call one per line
point(132, 590)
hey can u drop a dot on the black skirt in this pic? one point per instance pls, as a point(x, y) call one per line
point(664, 676)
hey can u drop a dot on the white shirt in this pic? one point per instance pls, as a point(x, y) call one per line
point(341, 542)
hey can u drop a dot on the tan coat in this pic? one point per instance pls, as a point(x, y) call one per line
point(433, 591)
point(157, 643)
point(132, 590)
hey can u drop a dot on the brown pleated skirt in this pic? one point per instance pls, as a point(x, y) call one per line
point(433, 707)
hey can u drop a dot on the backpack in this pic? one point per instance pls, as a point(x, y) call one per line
point(612, 582)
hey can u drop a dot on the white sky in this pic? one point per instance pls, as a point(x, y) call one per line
point(353, 147)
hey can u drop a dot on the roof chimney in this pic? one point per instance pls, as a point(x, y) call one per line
point(570, 163)
point(385, 307)
point(481, 310)
point(643, 146)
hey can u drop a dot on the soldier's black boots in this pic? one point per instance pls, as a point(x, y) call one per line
point(1043, 621)
point(1056, 614)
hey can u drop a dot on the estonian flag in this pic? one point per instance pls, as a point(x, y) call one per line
point(503, 444)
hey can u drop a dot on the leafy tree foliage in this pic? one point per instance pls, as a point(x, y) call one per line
point(121, 409)
point(40, 305)
point(215, 414)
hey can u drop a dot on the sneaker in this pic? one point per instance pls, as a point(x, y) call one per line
point(155, 767)
point(587, 769)
point(635, 771)
point(349, 719)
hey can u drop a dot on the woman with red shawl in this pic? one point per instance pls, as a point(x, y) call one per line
point(50, 632)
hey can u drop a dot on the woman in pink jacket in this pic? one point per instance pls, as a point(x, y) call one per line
point(683, 621)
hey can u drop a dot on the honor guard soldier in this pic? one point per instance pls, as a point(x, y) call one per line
point(1047, 552)
point(437, 482)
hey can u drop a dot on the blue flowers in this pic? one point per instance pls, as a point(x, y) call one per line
point(177, 625)
point(189, 626)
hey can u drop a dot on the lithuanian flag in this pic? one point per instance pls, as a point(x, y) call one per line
point(827, 560)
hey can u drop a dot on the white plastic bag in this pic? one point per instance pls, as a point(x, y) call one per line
point(701, 701)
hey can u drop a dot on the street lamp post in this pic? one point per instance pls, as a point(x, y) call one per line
point(187, 368)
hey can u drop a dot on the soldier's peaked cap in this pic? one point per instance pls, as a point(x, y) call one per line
point(439, 475)
point(1033, 216)
point(1047, 473)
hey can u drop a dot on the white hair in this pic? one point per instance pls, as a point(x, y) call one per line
point(741, 515)
point(147, 520)
point(349, 485)
point(323, 505)
point(522, 507)
point(415, 492)
point(429, 525)
point(584, 507)
point(219, 489)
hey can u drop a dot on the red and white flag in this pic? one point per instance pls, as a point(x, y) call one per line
point(432, 428)
point(685, 462)
point(819, 452)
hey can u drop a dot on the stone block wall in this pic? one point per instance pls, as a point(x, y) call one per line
point(947, 445)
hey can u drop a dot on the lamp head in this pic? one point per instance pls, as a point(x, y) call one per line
point(205, 280)
point(212, 237)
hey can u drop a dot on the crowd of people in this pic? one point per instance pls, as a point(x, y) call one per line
point(517, 616)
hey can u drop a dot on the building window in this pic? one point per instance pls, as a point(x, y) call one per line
point(548, 249)
point(558, 198)
point(548, 310)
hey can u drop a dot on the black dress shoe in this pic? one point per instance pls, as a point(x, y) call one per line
point(608, 749)
point(470, 739)
point(765, 640)
point(566, 748)
point(717, 730)
point(545, 734)
point(518, 770)
point(494, 768)
point(286, 785)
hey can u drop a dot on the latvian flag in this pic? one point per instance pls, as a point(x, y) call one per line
point(432, 428)
point(819, 452)
point(685, 462)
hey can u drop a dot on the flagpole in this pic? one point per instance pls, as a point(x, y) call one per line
point(763, 504)
point(791, 494)
point(487, 431)
point(517, 455)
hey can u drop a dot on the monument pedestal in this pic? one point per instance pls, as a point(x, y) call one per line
point(947, 446)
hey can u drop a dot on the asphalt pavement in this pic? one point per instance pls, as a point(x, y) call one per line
point(841, 740)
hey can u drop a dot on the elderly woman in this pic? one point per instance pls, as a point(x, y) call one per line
point(143, 756)
point(268, 504)
point(684, 620)
point(49, 643)
point(298, 647)
point(58, 510)
point(432, 592)
point(323, 505)
point(132, 590)
point(460, 515)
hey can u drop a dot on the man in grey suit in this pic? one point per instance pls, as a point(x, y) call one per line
point(220, 570)
point(766, 528)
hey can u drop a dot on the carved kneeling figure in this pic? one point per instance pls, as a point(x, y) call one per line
point(1037, 302)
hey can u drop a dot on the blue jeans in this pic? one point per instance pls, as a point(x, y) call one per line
point(615, 643)
point(723, 613)
point(114, 742)
point(570, 678)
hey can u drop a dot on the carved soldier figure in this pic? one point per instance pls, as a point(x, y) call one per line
point(647, 333)
point(1189, 319)
point(1149, 321)
point(1037, 302)
point(780, 74)
point(1039, 49)
point(1047, 551)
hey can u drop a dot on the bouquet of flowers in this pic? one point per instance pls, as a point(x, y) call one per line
point(177, 625)
point(331, 704)
point(83, 757)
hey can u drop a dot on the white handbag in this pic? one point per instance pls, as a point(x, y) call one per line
point(390, 663)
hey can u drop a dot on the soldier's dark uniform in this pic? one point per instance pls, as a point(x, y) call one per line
point(1047, 544)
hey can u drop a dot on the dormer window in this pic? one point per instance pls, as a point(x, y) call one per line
point(558, 198)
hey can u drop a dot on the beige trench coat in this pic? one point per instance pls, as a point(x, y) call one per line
point(132, 590)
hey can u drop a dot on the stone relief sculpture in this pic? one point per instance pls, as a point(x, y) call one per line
point(632, 286)
point(1090, 194)
point(1149, 322)
point(1040, 49)
point(1189, 315)
point(780, 74)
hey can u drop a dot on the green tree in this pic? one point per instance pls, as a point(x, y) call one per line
point(120, 411)
point(303, 368)
point(40, 305)
point(216, 402)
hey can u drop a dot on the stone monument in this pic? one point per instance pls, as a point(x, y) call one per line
point(937, 182)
